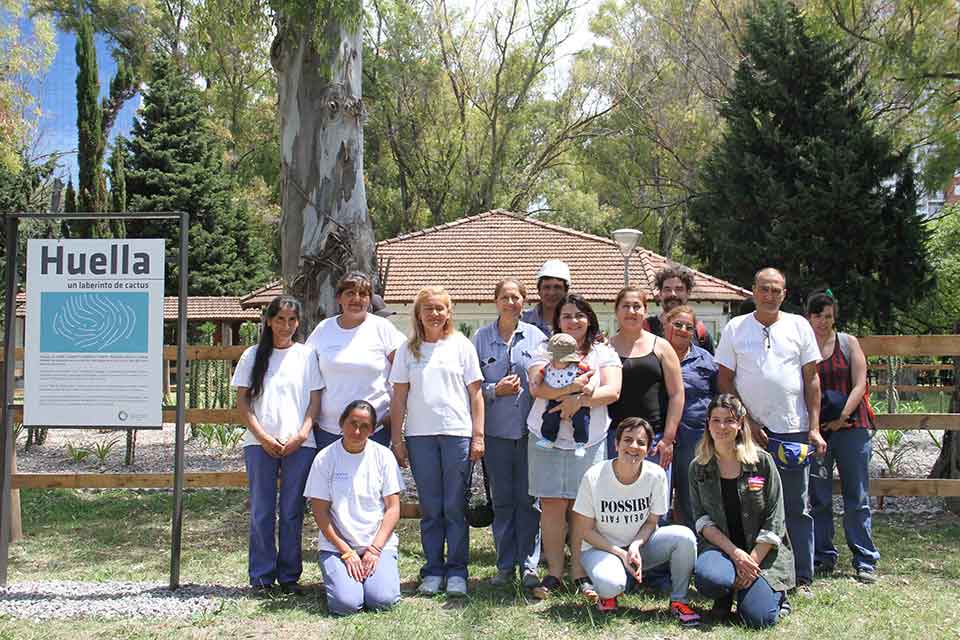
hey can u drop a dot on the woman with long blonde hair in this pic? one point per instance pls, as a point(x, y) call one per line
point(437, 428)
point(737, 504)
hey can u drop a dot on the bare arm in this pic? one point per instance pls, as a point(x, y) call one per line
point(391, 516)
point(475, 392)
point(306, 427)
point(538, 389)
point(398, 416)
point(250, 421)
point(858, 373)
point(811, 394)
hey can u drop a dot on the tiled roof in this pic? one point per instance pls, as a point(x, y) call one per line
point(259, 298)
point(198, 308)
point(470, 255)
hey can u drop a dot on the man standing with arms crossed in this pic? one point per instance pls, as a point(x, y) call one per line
point(769, 359)
point(553, 283)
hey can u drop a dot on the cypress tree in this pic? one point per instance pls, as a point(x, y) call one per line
point(176, 164)
point(70, 198)
point(90, 143)
point(118, 185)
point(802, 181)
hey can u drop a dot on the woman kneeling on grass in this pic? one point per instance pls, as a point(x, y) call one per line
point(278, 386)
point(615, 517)
point(737, 505)
point(354, 489)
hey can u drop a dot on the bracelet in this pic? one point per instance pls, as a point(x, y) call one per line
point(374, 550)
point(348, 555)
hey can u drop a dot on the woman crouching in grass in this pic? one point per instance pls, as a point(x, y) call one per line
point(354, 489)
point(615, 517)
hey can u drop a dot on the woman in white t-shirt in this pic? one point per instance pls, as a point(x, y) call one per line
point(615, 521)
point(278, 394)
point(354, 489)
point(438, 405)
point(555, 473)
point(355, 350)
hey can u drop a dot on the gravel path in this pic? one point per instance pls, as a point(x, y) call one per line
point(40, 601)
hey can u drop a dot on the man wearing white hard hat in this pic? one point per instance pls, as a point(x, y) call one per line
point(553, 282)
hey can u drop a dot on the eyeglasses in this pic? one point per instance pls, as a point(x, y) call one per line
point(682, 326)
point(768, 290)
point(767, 340)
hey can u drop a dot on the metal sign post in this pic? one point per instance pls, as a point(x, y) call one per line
point(11, 221)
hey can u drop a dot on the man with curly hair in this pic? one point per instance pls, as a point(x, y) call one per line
point(675, 282)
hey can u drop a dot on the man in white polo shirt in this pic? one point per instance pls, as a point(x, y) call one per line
point(769, 359)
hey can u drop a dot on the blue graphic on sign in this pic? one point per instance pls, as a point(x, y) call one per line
point(93, 322)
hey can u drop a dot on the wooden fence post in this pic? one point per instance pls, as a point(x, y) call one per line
point(947, 464)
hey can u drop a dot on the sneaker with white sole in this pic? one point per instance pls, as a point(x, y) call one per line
point(430, 585)
point(456, 586)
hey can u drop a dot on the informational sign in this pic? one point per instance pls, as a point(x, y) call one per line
point(94, 333)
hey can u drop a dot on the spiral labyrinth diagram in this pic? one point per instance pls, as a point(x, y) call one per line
point(94, 322)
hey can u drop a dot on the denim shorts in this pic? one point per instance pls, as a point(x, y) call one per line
point(556, 473)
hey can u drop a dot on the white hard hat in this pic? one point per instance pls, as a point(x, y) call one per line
point(555, 269)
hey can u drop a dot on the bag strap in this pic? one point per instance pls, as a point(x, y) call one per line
point(486, 480)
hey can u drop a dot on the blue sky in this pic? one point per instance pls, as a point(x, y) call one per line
point(57, 95)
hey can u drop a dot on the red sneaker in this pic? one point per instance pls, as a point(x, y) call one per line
point(686, 616)
point(607, 605)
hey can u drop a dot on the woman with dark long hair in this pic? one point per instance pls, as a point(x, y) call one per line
point(278, 394)
point(555, 472)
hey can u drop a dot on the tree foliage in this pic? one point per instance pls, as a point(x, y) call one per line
point(90, 147)
point(176, 164)
point(801, 180)
point(27, 52)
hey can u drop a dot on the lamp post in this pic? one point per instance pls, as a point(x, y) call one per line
point(627, 240)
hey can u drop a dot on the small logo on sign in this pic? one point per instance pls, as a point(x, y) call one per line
point(122, 416)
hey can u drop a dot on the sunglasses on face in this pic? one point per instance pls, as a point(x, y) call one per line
point(682, 326)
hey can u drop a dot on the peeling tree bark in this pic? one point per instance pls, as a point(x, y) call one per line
point(325, 227)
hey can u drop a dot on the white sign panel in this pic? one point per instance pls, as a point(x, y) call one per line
point(94, 333)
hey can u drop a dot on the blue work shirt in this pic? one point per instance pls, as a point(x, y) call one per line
point(699, 386)
point(533, 316)
point(506, 416)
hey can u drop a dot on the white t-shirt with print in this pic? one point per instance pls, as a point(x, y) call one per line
point(621, 509)
point(282, 404)
point(768, 370)
point(354, 365)
point(438, 403)
point(355, 484)
point(600, 356)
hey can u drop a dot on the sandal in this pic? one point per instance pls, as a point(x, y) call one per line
point(587, 590)
point(547, 585)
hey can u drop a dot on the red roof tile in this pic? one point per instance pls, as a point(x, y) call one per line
point(468, 257)
point(198, 308)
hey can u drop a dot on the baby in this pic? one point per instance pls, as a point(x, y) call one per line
point(564, 367)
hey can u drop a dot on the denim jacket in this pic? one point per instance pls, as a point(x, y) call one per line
point(761, 501)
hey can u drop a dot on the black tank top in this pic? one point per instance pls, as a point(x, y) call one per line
point(643, 394)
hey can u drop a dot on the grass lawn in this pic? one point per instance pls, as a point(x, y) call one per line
point(124, 535)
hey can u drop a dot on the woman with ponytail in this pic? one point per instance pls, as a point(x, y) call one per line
point(278, 385)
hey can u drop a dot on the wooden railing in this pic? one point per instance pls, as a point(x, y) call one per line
point(872, 346)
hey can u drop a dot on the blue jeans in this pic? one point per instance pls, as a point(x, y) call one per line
point(325, 438)
point(795, 485)
point(345, 595)
point(850, 450)
point(684, 451)
point(440, 466)
point(758, 605)
point(516, 515)
point(265, 563)
point(657, 577)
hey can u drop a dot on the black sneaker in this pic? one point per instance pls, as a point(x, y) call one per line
point(866, 576)
point(824, 569)
point(291, 588)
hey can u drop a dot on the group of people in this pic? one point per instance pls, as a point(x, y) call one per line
point(636, 451)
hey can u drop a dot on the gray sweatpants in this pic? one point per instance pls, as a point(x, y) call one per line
point(674, 545)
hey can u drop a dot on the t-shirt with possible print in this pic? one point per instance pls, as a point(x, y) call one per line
point(621, 509)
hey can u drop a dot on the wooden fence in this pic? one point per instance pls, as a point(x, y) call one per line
point(872, 345)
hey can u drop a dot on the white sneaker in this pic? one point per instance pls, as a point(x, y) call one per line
point(580, 451)
point(543, 443)
point(456, 587)
point(430, 585)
